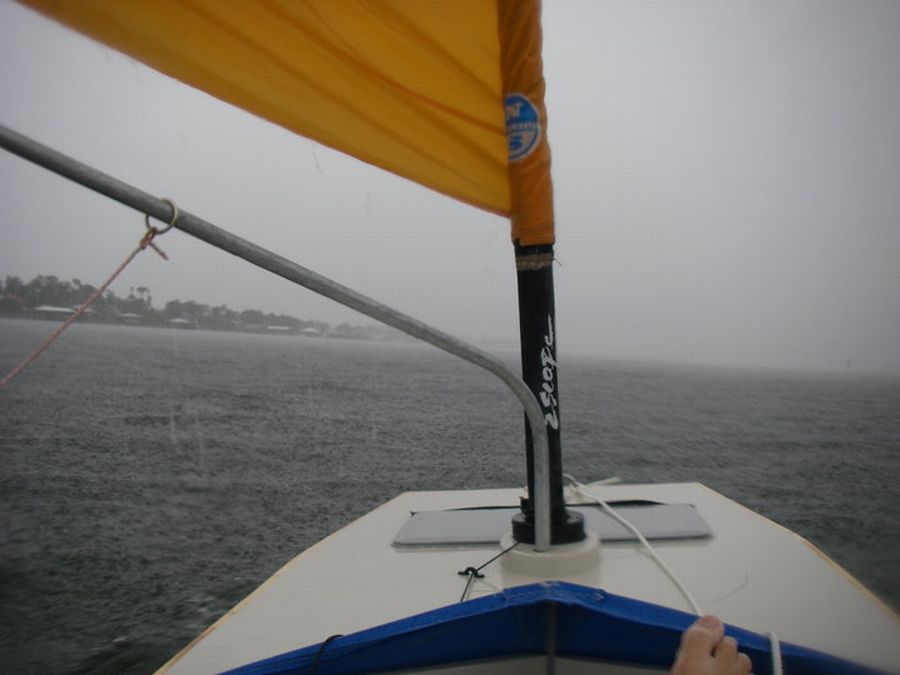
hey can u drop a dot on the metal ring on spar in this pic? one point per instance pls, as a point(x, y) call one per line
point(175, 214)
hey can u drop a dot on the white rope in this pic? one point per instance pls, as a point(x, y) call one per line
point(774, 643)
point(637, 533)
point(775, 650)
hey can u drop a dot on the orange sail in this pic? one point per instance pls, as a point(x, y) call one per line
point(427, 90)
point(531, 191)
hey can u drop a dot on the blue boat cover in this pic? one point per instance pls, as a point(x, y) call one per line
point(570, 620)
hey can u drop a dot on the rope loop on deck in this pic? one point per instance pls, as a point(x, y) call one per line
point(315, 664)
point(472, 573)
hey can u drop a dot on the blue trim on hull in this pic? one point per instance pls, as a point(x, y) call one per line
point(589, 624)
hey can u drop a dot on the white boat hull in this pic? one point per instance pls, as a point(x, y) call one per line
point(751, 572)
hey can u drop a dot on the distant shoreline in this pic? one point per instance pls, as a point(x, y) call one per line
point(49, 298)
point(369, 333)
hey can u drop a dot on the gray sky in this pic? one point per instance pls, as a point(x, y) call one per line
point(727, 179)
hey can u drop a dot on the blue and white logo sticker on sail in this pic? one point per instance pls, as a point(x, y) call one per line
point(523, 126)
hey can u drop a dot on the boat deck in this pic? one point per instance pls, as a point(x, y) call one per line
point(751, 572)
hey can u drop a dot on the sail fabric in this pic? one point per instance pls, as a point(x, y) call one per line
point(571, 620)
point(531, 191)
point(413, 87)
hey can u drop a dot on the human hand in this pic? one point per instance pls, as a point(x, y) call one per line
point(705, 650)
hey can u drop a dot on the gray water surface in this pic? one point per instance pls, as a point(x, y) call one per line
point(152, 478)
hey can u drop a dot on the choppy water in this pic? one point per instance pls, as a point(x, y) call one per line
point(150, 478)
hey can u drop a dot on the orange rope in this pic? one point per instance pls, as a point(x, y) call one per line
point(146, 240)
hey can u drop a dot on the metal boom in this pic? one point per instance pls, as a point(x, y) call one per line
point(131, 196)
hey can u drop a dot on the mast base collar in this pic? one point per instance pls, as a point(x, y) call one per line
point(559, 561)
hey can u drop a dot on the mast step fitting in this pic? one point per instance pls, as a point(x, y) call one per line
point(560, 561)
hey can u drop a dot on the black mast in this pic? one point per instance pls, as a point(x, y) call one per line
point(533, 235)
point(537, 330)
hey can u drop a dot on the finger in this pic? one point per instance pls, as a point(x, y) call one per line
point(726, 651)
point(744, 664)
point(702, 637)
